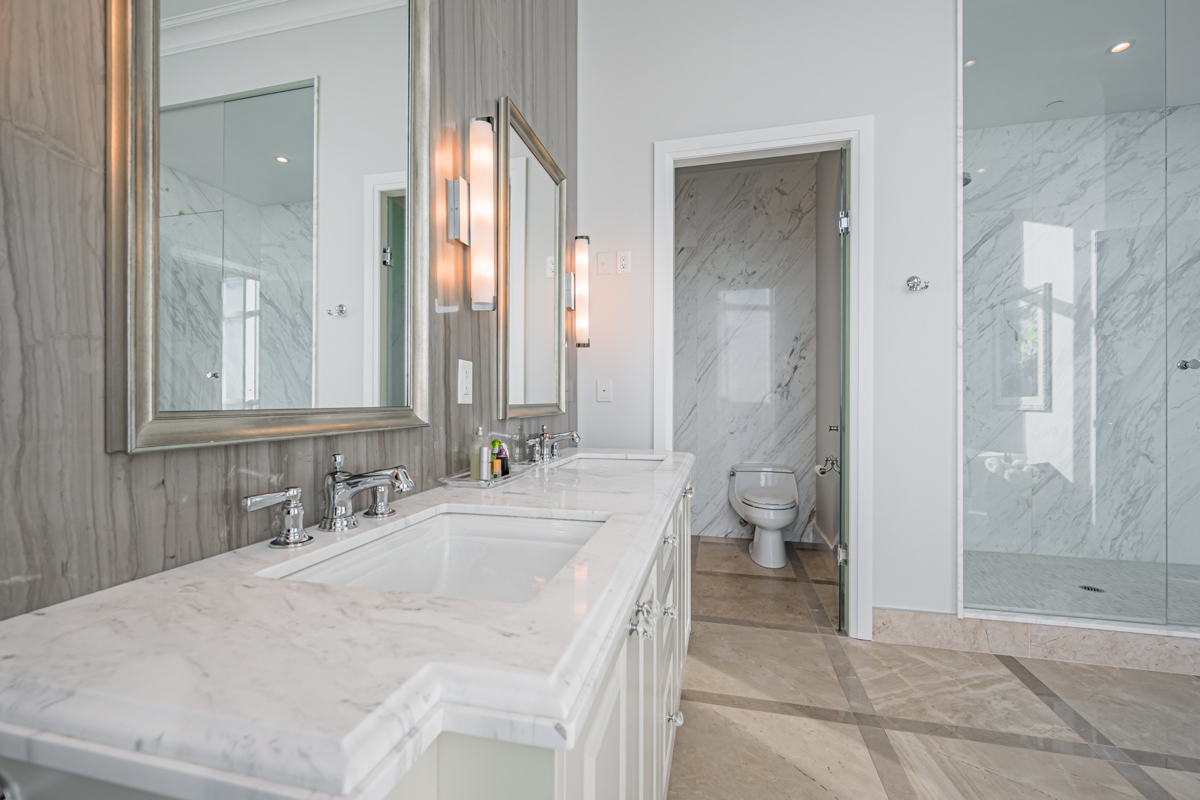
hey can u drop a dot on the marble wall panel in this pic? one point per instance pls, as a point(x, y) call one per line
point(1086, 205)
point(745, 331)
point(131, 516)
point(286, 298)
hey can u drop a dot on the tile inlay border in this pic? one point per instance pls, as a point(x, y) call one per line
point(874, 728)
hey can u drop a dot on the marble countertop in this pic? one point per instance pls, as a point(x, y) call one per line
point(213, 675)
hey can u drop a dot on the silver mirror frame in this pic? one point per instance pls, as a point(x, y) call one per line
point(133, 422)
point(510, 117)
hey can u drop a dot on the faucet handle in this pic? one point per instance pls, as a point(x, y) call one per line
point(293, 534)
point(380, 508)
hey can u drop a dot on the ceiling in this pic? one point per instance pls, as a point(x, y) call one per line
point(233, 145)
point(1030, 53)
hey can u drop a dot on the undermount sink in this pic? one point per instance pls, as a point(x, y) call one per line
point(469, 556)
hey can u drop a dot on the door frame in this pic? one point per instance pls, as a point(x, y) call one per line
point(858, 135)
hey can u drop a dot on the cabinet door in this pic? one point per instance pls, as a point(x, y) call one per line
point(600, 766)
point(641, 703)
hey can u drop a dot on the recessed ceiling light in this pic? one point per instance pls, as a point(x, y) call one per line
point(281, 159)
point(970, 63)
point(1120, 47)
point(982, 169)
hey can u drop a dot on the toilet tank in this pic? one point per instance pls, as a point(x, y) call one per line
point(779, 476)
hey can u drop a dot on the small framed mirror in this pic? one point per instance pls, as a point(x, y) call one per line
point(532, 272)
point(268, 220)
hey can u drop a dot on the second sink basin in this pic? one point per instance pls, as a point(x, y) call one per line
point(469, 556)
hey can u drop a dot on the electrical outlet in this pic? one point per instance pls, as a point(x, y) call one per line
point(604, 263)
point(624, 262)
point(466, 379)
point(549, 266)
point(604, 391)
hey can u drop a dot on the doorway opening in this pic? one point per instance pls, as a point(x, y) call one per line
point(762, 345)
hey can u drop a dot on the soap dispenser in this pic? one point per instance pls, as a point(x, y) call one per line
point(481, 457)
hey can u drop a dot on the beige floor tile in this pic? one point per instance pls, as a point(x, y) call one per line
point(949, 686)
point(829, 600)
point(733, 555)
point(941, 769)
point(817, 565)
point(731, 754)
point(749, 599)
point(1142, 710)
point(1181, 785)
point(761, 663)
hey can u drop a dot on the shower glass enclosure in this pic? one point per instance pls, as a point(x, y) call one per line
point(1081, 308)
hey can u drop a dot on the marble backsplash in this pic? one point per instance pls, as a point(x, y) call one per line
point(1079, 256)
point(208, 238)
point(745, 331)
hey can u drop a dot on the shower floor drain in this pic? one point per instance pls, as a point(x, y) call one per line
point(1087, 588)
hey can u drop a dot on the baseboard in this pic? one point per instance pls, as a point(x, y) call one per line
point(1161, 653)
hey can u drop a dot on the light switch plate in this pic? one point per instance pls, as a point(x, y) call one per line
point(604, 263)
point(624, 262)
point(604, 391)
point(465, 381)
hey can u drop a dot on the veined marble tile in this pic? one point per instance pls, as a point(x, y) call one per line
point(1000, 162)
point(1136, 709)
point(179, 193)
point(286, 343)
point(189, 328)
point(951, 687)
point(785, 666)
point(739, 206)
point(731, 753)
point(745, 332)
point(944, 768)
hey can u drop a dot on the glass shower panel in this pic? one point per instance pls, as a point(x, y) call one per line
point(1065, 309)
point(1183, 333)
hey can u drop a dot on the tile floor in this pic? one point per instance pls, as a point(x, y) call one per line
point(779, 706)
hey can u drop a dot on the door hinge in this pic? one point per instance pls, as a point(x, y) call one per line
point(843, 222)
point(843, 555)
point(387, 256)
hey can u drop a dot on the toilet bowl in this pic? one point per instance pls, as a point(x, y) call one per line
point(765, 495)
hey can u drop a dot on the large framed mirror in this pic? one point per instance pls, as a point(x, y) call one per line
point(268, 220)
point(531, 333)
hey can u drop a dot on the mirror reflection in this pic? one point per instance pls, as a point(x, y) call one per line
point(283, 149)
point(533, 270)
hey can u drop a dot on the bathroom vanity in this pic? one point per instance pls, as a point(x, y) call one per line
point(524, 641)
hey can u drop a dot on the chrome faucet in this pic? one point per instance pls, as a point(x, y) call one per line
point(341, 487)
point(545, 444)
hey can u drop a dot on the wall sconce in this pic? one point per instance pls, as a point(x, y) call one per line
point(458, 210)
point(583, 337)
point(481, 143)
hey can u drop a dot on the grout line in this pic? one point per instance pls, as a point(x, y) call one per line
point(940, 730)
point(749, 623)
point(717, 574)
point(892, 774)
point(1138, 778)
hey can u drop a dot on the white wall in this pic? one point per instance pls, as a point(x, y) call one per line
point(829, 341)
point(362, 99)
point(673, 69)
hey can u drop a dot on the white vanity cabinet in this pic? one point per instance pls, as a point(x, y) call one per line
point(624, 752)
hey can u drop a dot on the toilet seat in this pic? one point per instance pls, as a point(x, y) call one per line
point(768, 498)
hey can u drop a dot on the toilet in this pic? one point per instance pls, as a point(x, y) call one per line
point(766, 496)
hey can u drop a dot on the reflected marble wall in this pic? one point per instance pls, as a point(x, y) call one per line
point(132, 516)
point(208, 236)
point(745, 331)
point(1085, 206)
